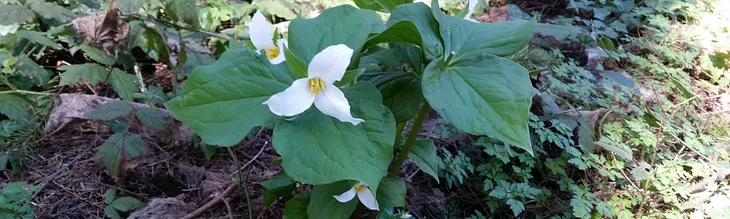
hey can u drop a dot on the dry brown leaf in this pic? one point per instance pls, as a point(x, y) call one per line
point(103, 29)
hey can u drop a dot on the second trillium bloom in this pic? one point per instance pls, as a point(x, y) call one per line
point(327, 67)
point(261, 37)
point(363, 193)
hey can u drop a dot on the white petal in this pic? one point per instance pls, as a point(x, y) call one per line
point(280, 58)
point(294, 100)
point(346, 196)
point(471, 19)
point(260, 32)
point(472, 6)
point(367, 199)
point(331, 63)
point(332, 102)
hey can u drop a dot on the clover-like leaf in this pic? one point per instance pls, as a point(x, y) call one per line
point(337, 25)
point(485, 95)
point(223, 101)
point(14, 107)
point(84, 73)
point(14, 14)
point(153, 118)
point(119, 148)
point(110, 110)
point(126, 204)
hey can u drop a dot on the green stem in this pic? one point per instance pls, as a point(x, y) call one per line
point(399, 132)
point(24, 92)
point(398, 163)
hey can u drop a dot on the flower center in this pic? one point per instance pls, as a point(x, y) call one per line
point(360, 188)
point(316, 85)
point(272, 53)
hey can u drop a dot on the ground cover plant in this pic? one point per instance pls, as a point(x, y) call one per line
point(364, 109)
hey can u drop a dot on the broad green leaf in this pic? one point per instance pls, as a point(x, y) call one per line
point(126, 204)
point(363, 91)
point(585, 134)
point(110, 110)
point(420, 15)
point(194, 60)
point(296, 208)
point(183, 11)
point(14, 14)
point(318, 149)
point(338, 25)
point(37, 74)
point(411, 55)
point(223, 101)
point(110, 195)
point(621, 151)
point(483, 95)
point(423, 154)
point(97, 54)
point(559, 32)
point(323, 205)
point(620, 79)
point(14, 107)
point(154, 44)
point(124, 84)
point(401, 93)
point(279, 185)
point(130, 6)
point(606, 44)
point(274, 8)
point(639, 173)
point(349, 76)
point(380, 5)
point(53, 11)
point(153, 118)
point(401, 32)
point(8, 29)
point(298, 68)
point(391, 193)
point(117, 149)
point(467, 39)
point(112, 213)
point(683, 89)
point(38, 37)
point(85, 73)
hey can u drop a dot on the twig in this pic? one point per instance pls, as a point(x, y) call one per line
point(211, 203)
point(660, 136)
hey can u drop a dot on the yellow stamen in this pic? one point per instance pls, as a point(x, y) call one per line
point(316, 86)
point(360, 188)
point(272, 53)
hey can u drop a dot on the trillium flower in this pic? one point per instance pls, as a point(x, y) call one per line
point(260, 32)
point(363, 193)
point(326, 67)
point(472, 6)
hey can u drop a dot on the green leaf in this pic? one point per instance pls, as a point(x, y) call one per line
point(324, 205)
point(620, 79)
point(117, 149)
point(275, 8)
point(222, 102)
point(411, 55)
point(14, 14)
point(620, 151)
point(483, 95)
point(585, 133)
point(279, 185)
point(53, 11)
point(129, 6)
point(380, 5)
point(14, 107)
point(683, 89)
point(423, 154)
point(401, 93)
point(85, 73)
point(38, 37)
point(559, 32)
point(720, 60)
point(337, 25)
point(343, 151)
point(97, 54)
point(112, 213)
point(298, 68)
point(639, 173)
point(154, 44)
point(420, 14)
point(126, 204)
point(401, 32)
point(28, 68)
point(467, 39)
point(391, 193)
point(183, 11)
point(606, 44)
point(110, 110)
point(296, 208)
point(153, 118)
point(124, 84)
point(516, 205)
point(110, 195)
point(194, 60)
point(349, 76)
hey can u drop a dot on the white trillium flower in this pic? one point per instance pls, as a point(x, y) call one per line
point(363, 193)
point(472, 6)
point(326, 67)
point(260, 32)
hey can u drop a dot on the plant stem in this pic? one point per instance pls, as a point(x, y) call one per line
point(398, 163)
point(24, 92)
point(399, 132)
point(242, 180)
